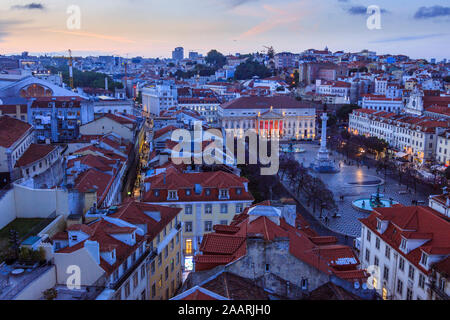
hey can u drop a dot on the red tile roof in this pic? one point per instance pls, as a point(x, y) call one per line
point(135, 213)
point(323, 253)
point(256, 102)
point(35, 152)
point(421, 223)
point(11, 130)
point(175, 180)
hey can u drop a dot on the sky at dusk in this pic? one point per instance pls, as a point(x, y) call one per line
point(153, 28)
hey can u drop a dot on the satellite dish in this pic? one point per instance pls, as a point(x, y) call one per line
point(356, 285)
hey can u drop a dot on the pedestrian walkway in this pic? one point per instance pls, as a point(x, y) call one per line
point(353, 182)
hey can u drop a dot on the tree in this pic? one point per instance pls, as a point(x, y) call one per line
point(216, 59)
point(271, 52)
point(343, 112)
point(251, 68)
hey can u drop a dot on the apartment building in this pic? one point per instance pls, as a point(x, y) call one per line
point(381, 103)
point(15, 138)
point(416, 136)
point(206, 199)
point(118, 250)
point(158, 98)
point(400, 246)
point(443, 148)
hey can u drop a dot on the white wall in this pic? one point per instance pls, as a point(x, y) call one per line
point(35, 289)
point(7, 209)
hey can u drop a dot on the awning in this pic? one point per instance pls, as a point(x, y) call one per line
point(401, 154)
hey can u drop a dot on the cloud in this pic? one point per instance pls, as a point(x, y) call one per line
point(30, 6)
point(91, 35)
point(8, 25)
point(276, 17)
point(432, 12)
point(236, 3)
point(359, 10)
point(410, 38)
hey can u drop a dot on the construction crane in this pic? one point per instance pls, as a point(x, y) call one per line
point(70, 60)
point(71, 69)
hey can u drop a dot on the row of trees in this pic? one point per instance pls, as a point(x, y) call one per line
point(251, 68)
point(82, 79)
point(302, 182)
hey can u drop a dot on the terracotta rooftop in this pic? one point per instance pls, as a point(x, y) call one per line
point(35, 152)
point(11, 130)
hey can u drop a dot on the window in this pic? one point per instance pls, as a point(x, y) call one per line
point(369, 235)
point(224, 208)
point(172, 265)
point(166, 251)
point(153, 267)
point(442, 284)
point(403, 245)
point(159, 259)
point(411, 272)
point(224, 222)
point(387, 253)
point(239, 207)
point(304, 284)
point(400, 287)
point(238, 191)
point(376, 261)
point(377, 243)
point(208, 226)
point(172, 195)
point(208, 208)
point(166, 273)
point(188, 226)
point(143, 295)
point(223, 194)
point(188, 209)
point(127, 289)
point(409, 294)
point(367, 255)
point(422, 281)
point(424, 259)
point(188, 246)
point(135, 280)
point(401, 264)
point(386, 273)
point(142, 272)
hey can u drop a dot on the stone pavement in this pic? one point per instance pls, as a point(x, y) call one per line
point(339, 184)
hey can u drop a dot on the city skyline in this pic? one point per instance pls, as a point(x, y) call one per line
point(153, 29)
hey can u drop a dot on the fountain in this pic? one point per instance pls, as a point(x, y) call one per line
point(291, 149)
point(376, 200)
point(323, 163)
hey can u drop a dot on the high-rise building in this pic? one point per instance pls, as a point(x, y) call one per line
point(178, 54)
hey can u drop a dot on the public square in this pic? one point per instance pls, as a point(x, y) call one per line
point(351, 182)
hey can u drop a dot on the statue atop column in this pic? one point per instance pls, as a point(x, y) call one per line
point(323, 163)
